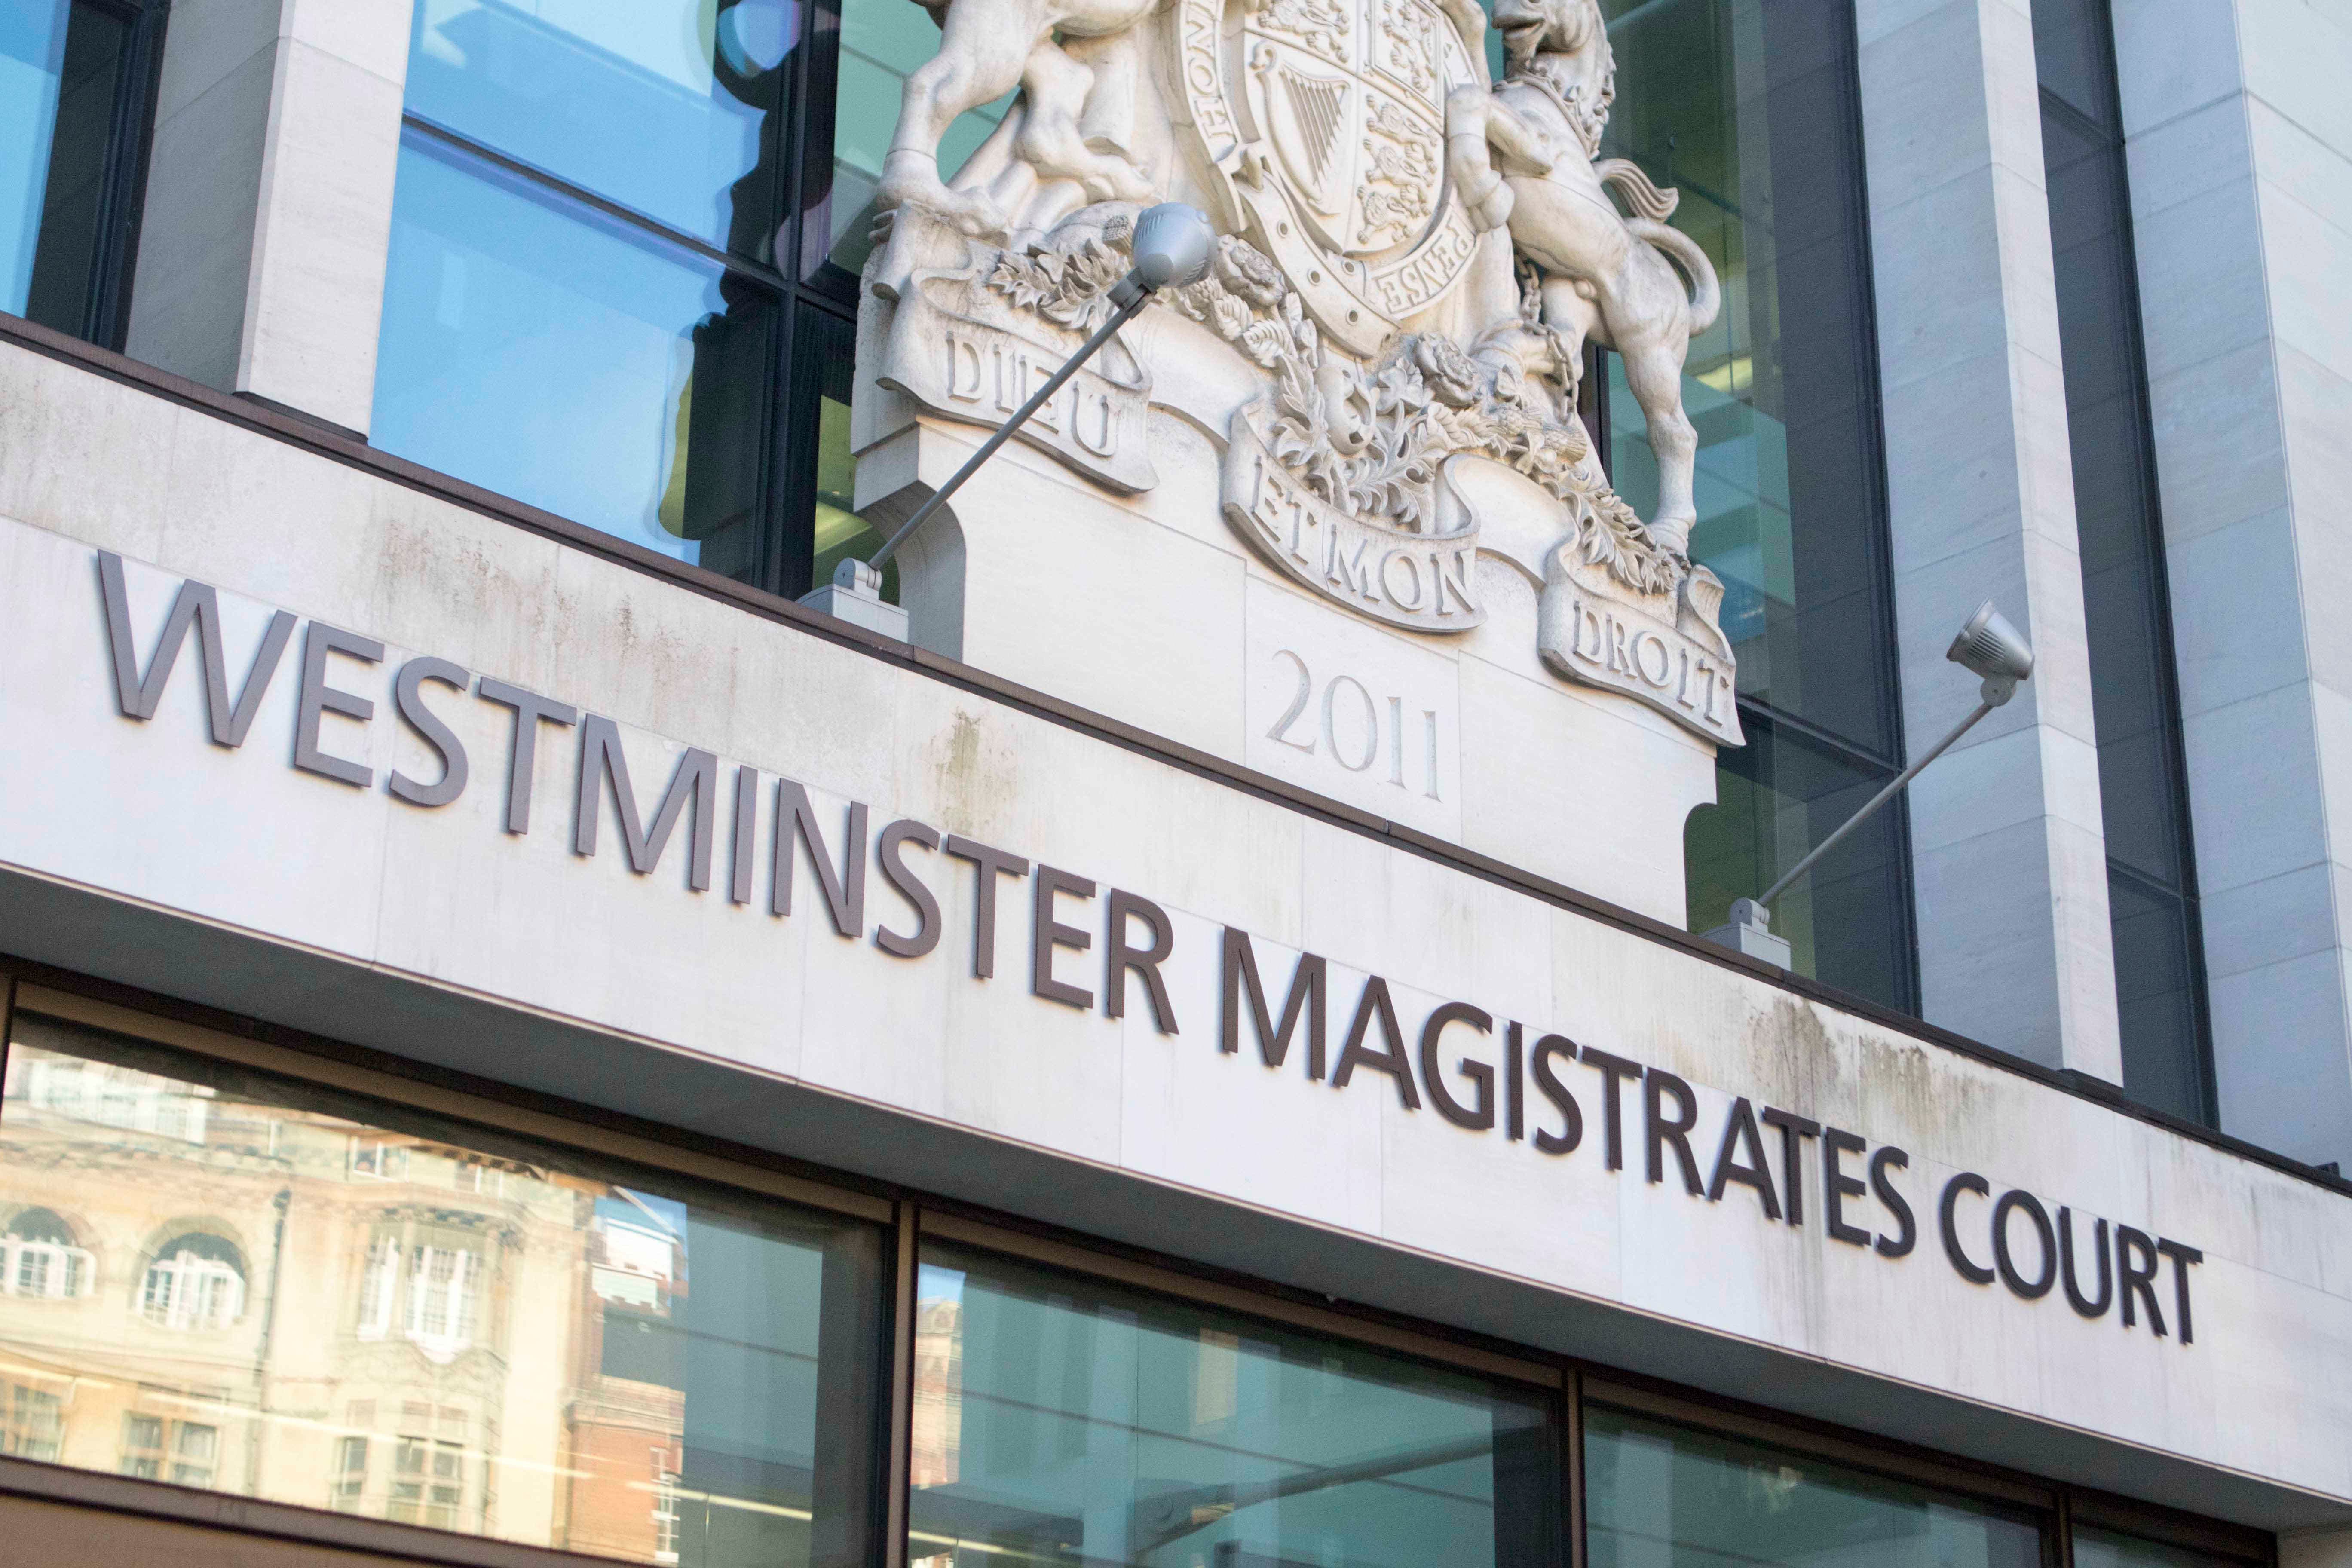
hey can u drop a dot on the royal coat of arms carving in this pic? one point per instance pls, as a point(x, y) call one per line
point(1389, 345)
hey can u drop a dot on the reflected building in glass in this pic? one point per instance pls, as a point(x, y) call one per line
point(223, 1281)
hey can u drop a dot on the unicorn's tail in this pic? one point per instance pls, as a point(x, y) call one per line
point(1707, 291)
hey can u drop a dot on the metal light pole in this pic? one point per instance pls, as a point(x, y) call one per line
point(1173, 244)
point(1988, 647)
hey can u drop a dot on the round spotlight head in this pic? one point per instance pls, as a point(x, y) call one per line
point(1990, 647)
point(1172, 243)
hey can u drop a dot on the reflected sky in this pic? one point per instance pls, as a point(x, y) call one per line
point(32, 59)
point(540, 353)
point(657, 104)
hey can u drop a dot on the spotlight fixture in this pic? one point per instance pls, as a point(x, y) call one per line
point(1988, 647)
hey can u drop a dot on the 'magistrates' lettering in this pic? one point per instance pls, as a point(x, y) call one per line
point(1480, 1074)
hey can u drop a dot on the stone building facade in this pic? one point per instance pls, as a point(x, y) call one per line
point(568, 995)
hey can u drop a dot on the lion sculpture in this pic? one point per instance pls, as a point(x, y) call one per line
point(1523, 156)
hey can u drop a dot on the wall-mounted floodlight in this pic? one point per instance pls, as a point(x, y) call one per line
point(1172, 246)
point(1988, 647)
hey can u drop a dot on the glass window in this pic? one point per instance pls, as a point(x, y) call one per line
point(32, 1419)
point(350, 1474)
point(2160, 997)
point(581, 307)
point(671, 107)
point(196, 1282)
point(1060, 1420)
point(1748, 110)
point(1658, 1496)
point(160, 1448)
point(573, 1355)
point(2104, 1549)
point(543, 350)
point(38, 1259)
point(77, 78)
point(881, 43)
point(2126, 611)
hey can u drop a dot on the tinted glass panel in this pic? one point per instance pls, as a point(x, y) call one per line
point(32, 65)
point(1847, 920)
point(881, 42)
point(1663, 1497)
point(669, 107)
point(64, 69)
point(1747, 109)
point(539, 350)
point(270, 1290)
point(2102, 1549)
point(2135, 701)
point(2070, 56)
point(1061, 1421)
point(2157, 996)
point(2114, 508)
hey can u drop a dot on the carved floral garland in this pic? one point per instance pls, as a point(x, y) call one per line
point(1368, 439)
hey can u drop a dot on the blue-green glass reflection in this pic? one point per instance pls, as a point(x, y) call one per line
point(542, 352)
point(664, 106)
point(2136, 704)
point(32, 63)
point(1059, 1421)
point(1663, 1497)
point(1747, 111)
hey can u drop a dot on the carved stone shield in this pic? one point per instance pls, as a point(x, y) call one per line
point(1326, 119)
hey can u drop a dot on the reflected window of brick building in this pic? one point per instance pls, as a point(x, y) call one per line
point(32, 1421)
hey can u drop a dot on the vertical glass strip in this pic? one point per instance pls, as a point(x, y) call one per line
point(2136, 707)
point(64, 162)
point(32, 67)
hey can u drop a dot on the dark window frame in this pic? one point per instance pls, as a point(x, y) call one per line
point(812, 198)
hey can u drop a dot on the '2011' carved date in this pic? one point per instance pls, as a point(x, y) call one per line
point(1355, 727)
